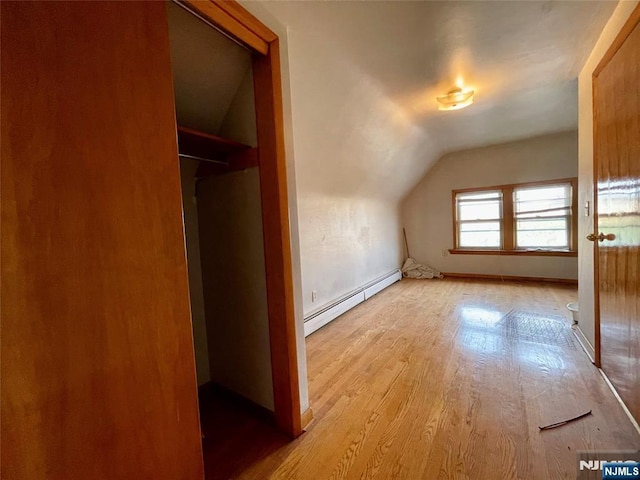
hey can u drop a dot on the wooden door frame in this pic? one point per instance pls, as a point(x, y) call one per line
point(625, 31)
point(236, 22)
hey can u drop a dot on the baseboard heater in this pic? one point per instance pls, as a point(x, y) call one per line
point(325, 315)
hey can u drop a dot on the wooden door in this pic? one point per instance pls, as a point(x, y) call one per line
point(617, 150)
point(98, 375)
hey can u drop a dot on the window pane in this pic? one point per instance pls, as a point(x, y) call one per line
point(473, 196)
point(479, 226)
point(542, 201)
point(542, 233)
point(543, 216)
point(474, 210)
point(479, 234)
point(486, 210)
point(526, 194)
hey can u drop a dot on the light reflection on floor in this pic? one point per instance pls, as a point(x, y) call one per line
point(483, 334)
point(480, 316)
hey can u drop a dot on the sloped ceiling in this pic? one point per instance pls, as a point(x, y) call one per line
point(521, 57)
point(208, 70)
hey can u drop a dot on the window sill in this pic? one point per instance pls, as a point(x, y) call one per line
point(530, 253)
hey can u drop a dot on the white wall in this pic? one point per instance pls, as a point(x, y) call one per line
point(190, 213)
point(427, 210)
point(354, 158)
point(346, 243)
point(585, 155)
point(352, 166)
point(239, 123)
point(234, 284)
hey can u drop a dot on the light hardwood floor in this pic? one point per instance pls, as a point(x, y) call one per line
point(424, 381)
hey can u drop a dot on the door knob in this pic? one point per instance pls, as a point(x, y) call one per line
point(601, 237)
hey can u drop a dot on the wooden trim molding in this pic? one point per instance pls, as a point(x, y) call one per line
point(507, 221)
point(250, 22)
point(596, 257)
point(219, 14)
point(277, 245)
point(518, 185)
point(625, 31)
point(487, 276)
point(525, 253)
point(233, 20)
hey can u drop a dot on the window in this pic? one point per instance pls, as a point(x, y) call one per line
point(533, 218)
point(479, 215)
point(543, 216)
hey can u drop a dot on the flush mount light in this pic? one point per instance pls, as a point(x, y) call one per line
point(455, 99)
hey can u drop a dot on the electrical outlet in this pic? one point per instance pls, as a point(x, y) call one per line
point(314, 295)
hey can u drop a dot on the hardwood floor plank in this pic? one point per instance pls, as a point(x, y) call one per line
point(429, 380)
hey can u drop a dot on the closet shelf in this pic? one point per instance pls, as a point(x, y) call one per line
point(206, 146)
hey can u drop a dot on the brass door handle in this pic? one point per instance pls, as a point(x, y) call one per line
point(601, 237)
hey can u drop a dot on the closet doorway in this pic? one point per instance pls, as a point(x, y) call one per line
point(229, 125)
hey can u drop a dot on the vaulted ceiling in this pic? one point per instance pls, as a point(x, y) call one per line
point(521, 57)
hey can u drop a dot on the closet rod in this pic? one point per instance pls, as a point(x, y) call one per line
point(209, 160)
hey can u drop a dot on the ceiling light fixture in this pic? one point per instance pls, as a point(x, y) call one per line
point(455, 99)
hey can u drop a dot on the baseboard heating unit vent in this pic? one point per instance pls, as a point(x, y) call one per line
point(320, 318)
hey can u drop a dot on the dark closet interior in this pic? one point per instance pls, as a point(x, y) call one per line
point(217, 140)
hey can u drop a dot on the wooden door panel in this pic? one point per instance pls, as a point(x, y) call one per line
point(98, 375)
point(617, 147)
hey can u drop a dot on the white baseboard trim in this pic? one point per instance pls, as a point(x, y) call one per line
point(634, 422)
point(330, 312)
point(584, 343)
point(326, 316)
point(380, 285)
